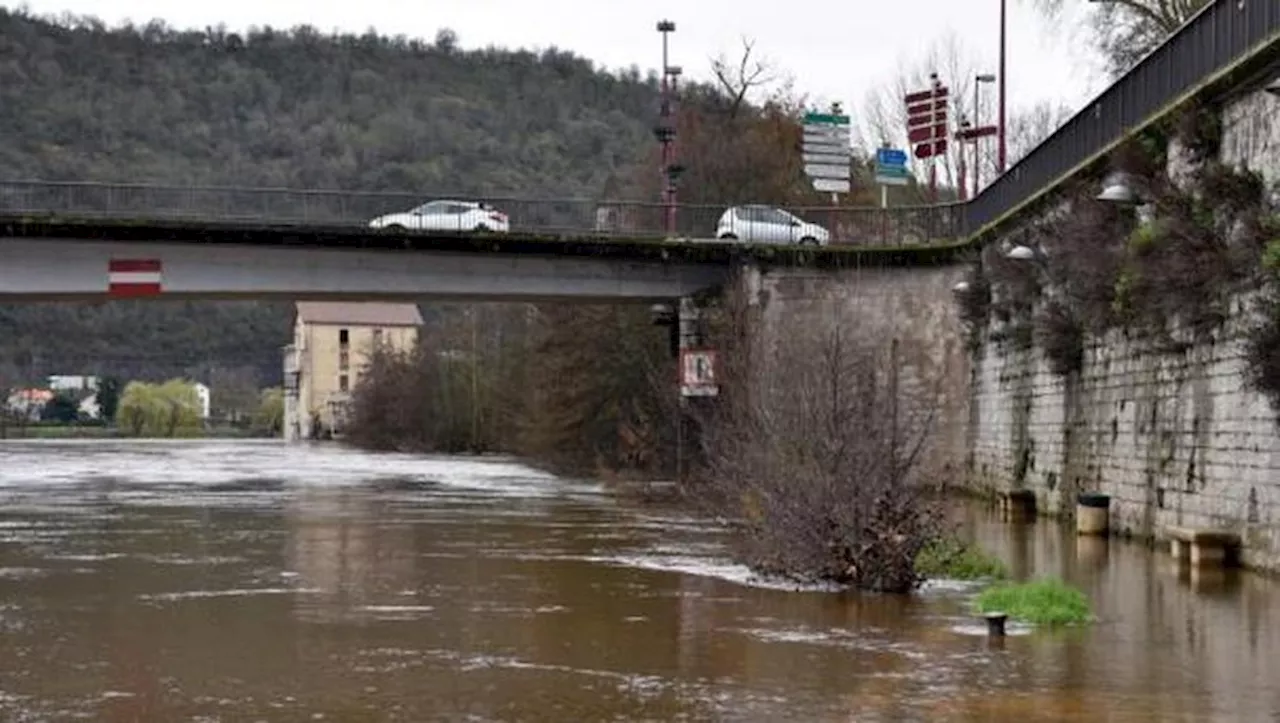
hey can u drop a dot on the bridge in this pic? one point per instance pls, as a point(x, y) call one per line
point(70, 241)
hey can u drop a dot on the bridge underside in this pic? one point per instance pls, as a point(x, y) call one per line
point(58, 269)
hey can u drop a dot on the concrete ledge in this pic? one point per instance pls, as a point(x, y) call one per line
point(1203, 546)
point(1017, 505)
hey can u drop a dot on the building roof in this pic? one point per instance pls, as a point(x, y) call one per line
point(370, 313)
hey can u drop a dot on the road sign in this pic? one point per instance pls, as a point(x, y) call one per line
point(891, 157)
point(923, 95)
point(927, 120)
point(828, 119)
point(832, 185)
point(969, 134)
point(893, 176)
point(937, 148)
point(891, 167)
point(816, 171)
point(698, 373)
point(827, 151)
point(827, 159)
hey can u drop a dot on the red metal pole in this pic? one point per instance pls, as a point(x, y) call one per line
point(1000, 159)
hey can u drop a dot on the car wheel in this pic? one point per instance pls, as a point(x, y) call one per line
point(728, 237)
point(395, 228)
point(481, 228)
point(808, 241)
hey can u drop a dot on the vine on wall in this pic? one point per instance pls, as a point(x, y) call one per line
point(1167, 273)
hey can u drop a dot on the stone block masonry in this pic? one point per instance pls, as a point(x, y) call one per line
point(915, 306)
point(1176, 439)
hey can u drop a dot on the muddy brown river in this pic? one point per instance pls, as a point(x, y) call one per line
point(232, 581)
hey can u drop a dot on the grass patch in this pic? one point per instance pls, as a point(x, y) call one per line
point(954, 560)
point(1047, 601)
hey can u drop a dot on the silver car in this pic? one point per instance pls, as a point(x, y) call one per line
point(768, 225)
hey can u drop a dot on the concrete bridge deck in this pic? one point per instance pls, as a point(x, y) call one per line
point(49, 259)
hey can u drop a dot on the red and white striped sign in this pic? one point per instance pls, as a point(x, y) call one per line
point(133, 277)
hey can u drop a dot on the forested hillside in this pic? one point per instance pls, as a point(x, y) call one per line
point(79, 101)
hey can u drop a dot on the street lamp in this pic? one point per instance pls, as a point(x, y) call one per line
point(977, 123)
point(1000, 155)
point(666, 130)
point(1273, 87)
point(1117, 189)
point(1021, 253)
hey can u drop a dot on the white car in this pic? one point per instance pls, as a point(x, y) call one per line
point(446, 216)
point(767, 225)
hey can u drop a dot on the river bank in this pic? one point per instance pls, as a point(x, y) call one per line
point(98, 431)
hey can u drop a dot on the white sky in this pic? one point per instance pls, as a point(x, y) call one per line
point(833, 49)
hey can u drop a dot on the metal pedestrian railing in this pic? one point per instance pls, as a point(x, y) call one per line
point(1223, 35)
point(271, 207)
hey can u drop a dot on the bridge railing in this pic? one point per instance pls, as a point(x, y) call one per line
point(1221, 35)
point(908, 225)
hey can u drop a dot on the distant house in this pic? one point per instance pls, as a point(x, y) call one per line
point(203, 395)
point(332, 342)
point(29, 403)
point(72, 383)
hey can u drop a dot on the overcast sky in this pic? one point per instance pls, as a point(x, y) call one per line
point(833, 49)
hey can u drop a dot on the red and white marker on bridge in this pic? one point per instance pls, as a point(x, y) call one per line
point(127, 278)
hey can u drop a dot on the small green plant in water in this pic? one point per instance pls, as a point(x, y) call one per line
point(954, 560)
point(1046, 601)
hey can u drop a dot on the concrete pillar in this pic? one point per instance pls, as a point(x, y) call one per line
point(1093, 514)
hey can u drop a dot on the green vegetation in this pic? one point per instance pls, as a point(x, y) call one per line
point(171, 409)
point(950, 558)
point(1045, 601)
point(269, 417)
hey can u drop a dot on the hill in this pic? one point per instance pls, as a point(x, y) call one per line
point(80, 101)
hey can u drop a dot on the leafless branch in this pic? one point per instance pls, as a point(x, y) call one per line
point(738, 80)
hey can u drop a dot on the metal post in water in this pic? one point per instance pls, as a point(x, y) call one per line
point(995, 624)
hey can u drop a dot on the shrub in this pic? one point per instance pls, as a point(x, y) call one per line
point(171, 409)
point(814, 454)
point(948, 557)
point(1047, 601)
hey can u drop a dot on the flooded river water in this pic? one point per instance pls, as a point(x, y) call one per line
point(232, 581)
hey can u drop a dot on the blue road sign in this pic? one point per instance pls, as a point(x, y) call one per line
point(891, 157)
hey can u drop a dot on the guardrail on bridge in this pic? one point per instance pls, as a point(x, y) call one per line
point(865, 226)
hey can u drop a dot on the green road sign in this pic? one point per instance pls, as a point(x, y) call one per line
point(829, 119)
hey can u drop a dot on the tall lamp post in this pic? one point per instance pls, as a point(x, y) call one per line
point(1000, 155)
point(977, 123)
point(666, 131)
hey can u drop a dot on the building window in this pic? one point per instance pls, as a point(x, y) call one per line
point(377, 336)
point(343, 337)
point(342, 383)
point(344, 359)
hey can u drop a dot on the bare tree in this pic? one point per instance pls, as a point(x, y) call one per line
point(885, 113)
point(884, 117)
point(738, 80)
point(1029, 127)
point(1125, 30)
point(814, 454)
